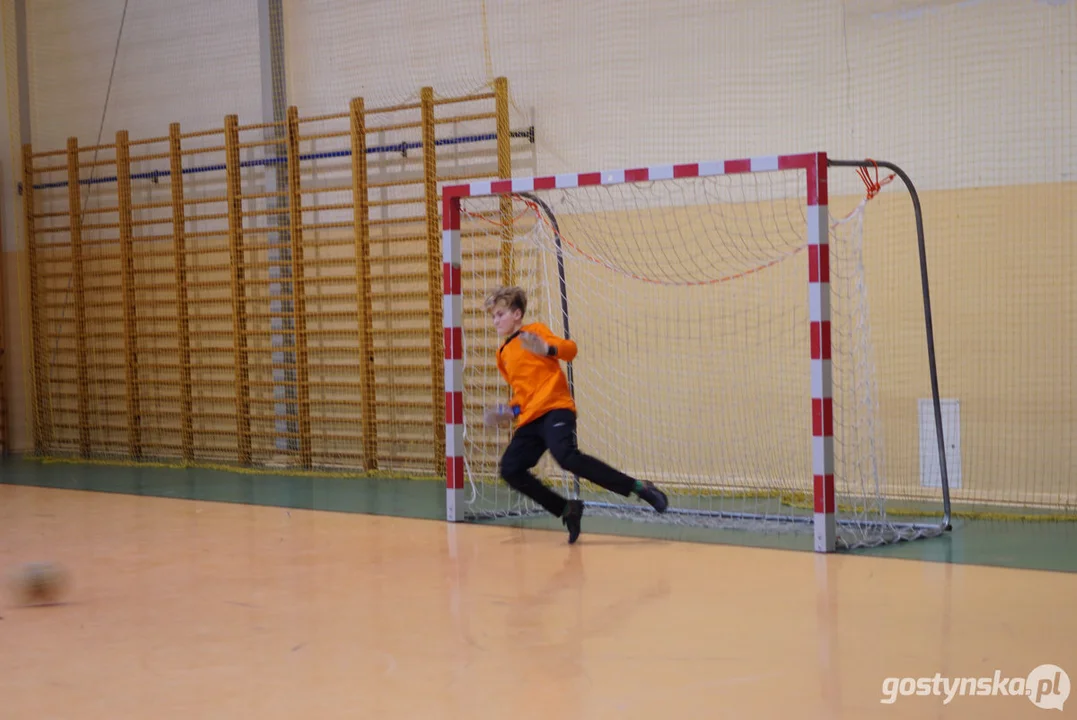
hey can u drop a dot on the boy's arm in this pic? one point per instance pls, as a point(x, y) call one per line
point(500, 414)
point(501, 366)
point(563, 349)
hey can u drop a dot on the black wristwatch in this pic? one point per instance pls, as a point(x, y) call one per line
point(551, 351)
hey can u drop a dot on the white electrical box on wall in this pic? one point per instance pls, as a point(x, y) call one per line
point(930, 469)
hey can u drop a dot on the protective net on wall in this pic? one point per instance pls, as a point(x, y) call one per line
point(975, 100)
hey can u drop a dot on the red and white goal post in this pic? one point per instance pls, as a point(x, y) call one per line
point(726, 348)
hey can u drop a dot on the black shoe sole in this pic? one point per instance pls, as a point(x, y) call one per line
point(573, 520)
point(656, 499)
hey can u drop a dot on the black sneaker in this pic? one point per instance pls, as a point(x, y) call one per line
point(654, 496)
point(571, 518)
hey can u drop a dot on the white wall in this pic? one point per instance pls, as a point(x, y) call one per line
point(959, 94)
point(190, 62)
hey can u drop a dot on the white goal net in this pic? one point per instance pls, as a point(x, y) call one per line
point(689, 301)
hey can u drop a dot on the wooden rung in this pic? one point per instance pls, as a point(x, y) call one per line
point(464, 99)
point(466, 118)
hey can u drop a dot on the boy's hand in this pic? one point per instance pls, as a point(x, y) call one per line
point(499, 415)
point(534, 343)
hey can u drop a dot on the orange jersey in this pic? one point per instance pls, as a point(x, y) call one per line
point(538, 383)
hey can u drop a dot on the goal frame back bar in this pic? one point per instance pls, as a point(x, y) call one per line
point(815, 167)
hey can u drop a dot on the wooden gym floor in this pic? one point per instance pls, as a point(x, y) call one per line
point(222, 604)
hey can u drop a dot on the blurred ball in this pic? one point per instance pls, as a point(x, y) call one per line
point(39, 583)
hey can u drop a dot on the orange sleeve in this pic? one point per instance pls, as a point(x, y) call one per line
point(566, 349)
point(501, 365)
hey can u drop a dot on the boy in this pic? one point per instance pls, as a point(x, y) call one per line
point(545, 412)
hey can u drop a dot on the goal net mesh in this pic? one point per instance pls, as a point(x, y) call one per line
point(688, 299)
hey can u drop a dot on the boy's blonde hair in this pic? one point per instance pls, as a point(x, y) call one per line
point(514, 298)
